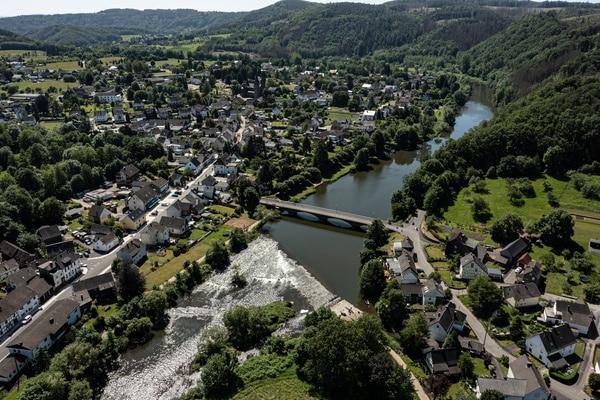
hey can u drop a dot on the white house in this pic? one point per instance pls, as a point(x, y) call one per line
point(106, 243)
point(133, 252)
point(408, 271)
point(46, 329)
point(552, 345)
point(519, 296)
point(177, 226)
point(576, 314)
point(444, 321)
point(432, 293)
point(155, 234)
point(143, 199)
point(64, 268)
point(15, 306)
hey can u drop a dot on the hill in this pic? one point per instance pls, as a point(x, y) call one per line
point(80, 36)
point(153, 21)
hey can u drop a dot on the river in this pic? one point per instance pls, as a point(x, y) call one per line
point(300, 261)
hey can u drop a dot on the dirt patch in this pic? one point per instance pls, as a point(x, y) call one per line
point(240, 222)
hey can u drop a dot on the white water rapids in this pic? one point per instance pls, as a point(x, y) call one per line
point(160, 370)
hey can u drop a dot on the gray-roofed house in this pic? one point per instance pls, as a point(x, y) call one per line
point(133, 252)
point(106, 242)
point(532, 272)
point(393, 266)
point(551, 346)
point(46, 329)
point(143, 199)
point(514, 250)
point(473, 346)
point(523, 382)
point(62, 269)
point(10, 250)
point(576, 314)
point(432, 293)
point(100, 288)
point(127, 175)
point(443, 361)
point(413, 294)
point(99, 214)
point(15, 306)
point(55, 249)
point(408, 271)
point(133, 220)
point(521, 295)
point(177, 226)
point(155, 234)
point(471, 267)
point(50, 234)
point(444, 321)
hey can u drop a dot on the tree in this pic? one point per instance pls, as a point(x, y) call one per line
point(414, 335)
point(507, 228)
point(361, 160)
point(348, 360)
point(466, 365)
point(130, 282)
point(46, 386)
point(481, 210)
point(238, 240)
point(80, 390)
point(251, 199)
point(138, 330)
point(452, 341)
point(217, 255)
point(321, 157)
point(439, 384)
point(246, 325)
point(556, 228)
point(372, 280)
point(391, 307)
point(378, 233)
point(154, 304)
point(484, 296)
point(212, 341)
point(218, 375)
point(492, 394)
point(516, 329)
point(594, 382)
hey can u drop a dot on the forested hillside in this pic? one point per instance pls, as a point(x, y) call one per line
point(154, 21)
point(81, 36)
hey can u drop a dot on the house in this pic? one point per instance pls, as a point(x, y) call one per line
point(99, 229)
point(181, 209)
point(444, 321)
point(99, 214)
point(12, 251)
point(443, 361)
point(177, 226)
point(154, 234)
point(432, 293)
point(531, 273)
point(514, 250)
point(176, 179)
point(471, 267)
point(474, 347)
point(576, 314)
point(551, 346)
point(134, 219)
point(62, 269)
point(161, 185)
point(100, 116)
point(118, 114)
point(46, 329)
point(101, 288)
point(523, 382)
point(460, 244)
point(402, 245)
point(207, 186)
point(127, 175)
point(521, 295)
point(50, 234)
point(193, 164)
point(143, 199)
point(392, 266)
point(133, 252)
point(15, 306)
point(106, 243)
point(413, 294)
point(73, 213)
point(224, 168)
point(408, 271)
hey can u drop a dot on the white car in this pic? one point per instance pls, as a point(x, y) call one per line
point(26, 319)
point(518, 270)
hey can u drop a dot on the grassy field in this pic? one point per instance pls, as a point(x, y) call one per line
point(286, 386)
point(460, 215)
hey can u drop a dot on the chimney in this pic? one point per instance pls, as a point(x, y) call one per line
point(51, 321)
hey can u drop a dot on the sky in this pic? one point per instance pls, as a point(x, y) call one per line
point(10, 9)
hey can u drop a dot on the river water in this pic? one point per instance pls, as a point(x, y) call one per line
point(300, 261)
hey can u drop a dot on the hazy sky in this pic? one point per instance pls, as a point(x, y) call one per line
point(11, 8)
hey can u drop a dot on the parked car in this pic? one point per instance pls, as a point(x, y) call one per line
point(518, 270)
point(26, 319)
point(584, 279)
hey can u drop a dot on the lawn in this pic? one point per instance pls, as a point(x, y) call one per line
point(447, 278)
point(169, 265)
point(570, 199)
point(435, 253)
point(286, 386)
